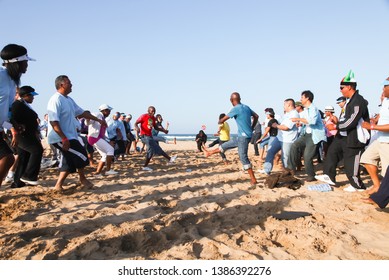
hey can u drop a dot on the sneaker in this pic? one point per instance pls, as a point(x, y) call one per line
point(111, 172)
point(146, 168)
point(352, 189)
point(325, 178)
point(262, 171)
point(173, 159)
point(8, 179)
point(29, 182)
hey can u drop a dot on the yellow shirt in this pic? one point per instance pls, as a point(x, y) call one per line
point(224, 131)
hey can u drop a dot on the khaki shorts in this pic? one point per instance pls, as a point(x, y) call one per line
point(376, 152)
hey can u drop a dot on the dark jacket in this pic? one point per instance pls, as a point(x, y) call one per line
point(356, 109)
point(23, 115)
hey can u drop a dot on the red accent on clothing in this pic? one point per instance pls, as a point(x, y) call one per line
point(147, 123)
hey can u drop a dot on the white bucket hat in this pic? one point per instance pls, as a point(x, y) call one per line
point(329, 109)
point(105, 107)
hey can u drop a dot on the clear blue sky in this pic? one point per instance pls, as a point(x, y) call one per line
point(186, 57)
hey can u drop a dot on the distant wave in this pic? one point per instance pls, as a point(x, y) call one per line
point(187, 137)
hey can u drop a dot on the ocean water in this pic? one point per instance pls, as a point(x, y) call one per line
point(188, 137)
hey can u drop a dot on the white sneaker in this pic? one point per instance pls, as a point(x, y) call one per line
point(8, 179)
point(352, 189)
point(111, 172)
point(146, 168)
point(29, 182)
point(262, 171)
point(173, 159)
point(325, 178)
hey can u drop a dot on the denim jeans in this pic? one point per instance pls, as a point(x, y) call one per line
point(243, 146)
point(152, 147)
point(276, 146)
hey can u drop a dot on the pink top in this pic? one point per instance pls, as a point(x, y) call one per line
point(93, 140)
point(332, 132)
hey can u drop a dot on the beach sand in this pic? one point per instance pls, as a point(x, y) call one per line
point(196, 208)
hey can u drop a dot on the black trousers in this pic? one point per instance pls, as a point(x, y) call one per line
point(334, 156)
point(30, 153)
point(351, 156)
point(382, 196)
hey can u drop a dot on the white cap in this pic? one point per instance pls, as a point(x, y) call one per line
point(105, 107)
point(329, 109)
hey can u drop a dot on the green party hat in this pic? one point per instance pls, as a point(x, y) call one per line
point(348, 79)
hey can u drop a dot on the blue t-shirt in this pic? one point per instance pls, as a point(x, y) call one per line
point(242, 115)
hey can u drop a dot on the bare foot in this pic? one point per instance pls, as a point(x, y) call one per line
point(369, 201)
point(226, 162)
point(206, 153)
point(58, 189)
point(86, 184)
point(372, 190)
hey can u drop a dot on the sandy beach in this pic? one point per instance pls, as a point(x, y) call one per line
point(196, 208)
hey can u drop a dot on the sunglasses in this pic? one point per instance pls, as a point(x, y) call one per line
point(341, 88)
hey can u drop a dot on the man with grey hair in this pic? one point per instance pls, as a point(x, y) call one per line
point(62, 132)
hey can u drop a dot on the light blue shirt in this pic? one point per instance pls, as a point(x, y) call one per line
point(7, 95)
point(242, 115)
point(382, 136)
point(288, 136)
point(122, 130)
point(63, 110)
point(315, 123)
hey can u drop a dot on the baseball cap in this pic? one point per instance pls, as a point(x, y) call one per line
point(298, 103)
point(341, 99)
point(386, 82)
point(105, 107)
point(24, 90)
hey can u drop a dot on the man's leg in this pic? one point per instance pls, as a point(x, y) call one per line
point(295, 153)
point(274, 149)
point(309, 153)
point(83, 180)
point(333, 157)
point(61, 179)
point(352, 167)
point(243, 147)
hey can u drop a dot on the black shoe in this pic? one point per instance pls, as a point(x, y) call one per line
point(311, 179)
point(19, 185)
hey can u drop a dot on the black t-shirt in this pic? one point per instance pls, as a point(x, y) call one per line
point(273, 131)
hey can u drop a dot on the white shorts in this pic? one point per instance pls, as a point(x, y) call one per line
point(104, 148)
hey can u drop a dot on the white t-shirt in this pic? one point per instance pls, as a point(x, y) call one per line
point(64, 110)
point(288, 136)
point(383, 137)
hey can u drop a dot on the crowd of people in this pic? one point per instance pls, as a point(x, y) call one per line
point(293, 140)
point(72, 133)
point(304, 132)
